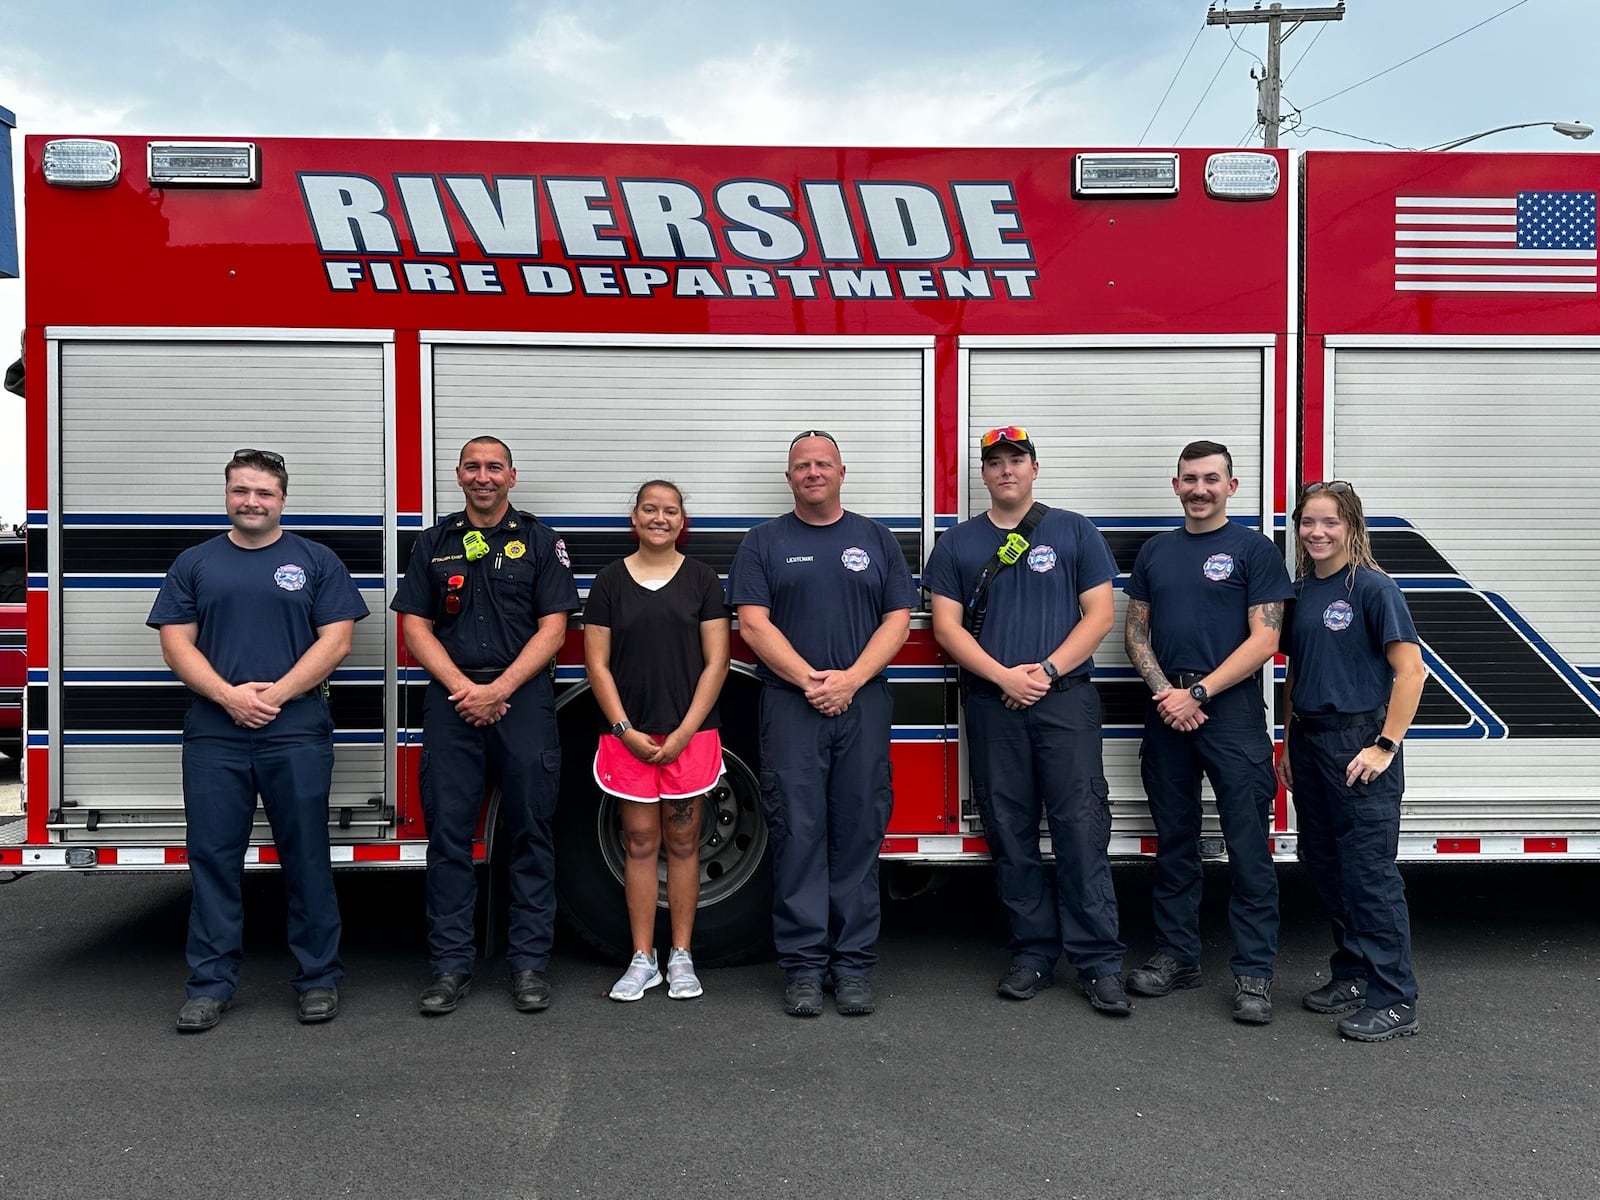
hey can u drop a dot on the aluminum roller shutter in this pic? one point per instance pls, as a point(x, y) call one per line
point(587, 425)
point(146, 428)
point(1481, 452)
point(1109, 423)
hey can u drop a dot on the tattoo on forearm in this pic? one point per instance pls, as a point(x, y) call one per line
point(1136, 639)
point(682, 812)
point(1271, 614)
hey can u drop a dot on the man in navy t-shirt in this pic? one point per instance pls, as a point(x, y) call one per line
point(1205, 610)
point(1033, 718)
point(824, 599)
point(254, 621)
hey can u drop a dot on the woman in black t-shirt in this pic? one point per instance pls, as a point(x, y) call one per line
point(655, 641)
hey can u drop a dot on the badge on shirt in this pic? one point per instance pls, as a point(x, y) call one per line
point(1042, 559)
point(1218, 567)
point(561, 553)
point(1338, 615)
point(855, 559)
point(515, 549)
point(290, 577)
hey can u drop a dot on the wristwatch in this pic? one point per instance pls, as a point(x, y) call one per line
point(620, 728)
point(1387, 745)
point(1198, 691)
point(1049, 668)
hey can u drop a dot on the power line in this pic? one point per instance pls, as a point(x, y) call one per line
point(1321, 29)
point(1413, 58)
point(1174, 80)
point(1203, 95)
point(1301, 130)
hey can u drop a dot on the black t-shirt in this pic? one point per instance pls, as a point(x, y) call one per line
point(655, 640)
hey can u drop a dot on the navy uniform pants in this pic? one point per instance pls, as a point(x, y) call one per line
point(289, 763)
point(1234, 751)
point(522, 752)
point(826, 791)
point(1047, 756)
point(1349, 837)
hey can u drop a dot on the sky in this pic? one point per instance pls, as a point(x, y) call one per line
point(866, 72)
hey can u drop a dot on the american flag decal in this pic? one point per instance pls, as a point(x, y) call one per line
point(1530, 242)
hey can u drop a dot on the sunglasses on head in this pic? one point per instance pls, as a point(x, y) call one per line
point(1006, 433)
point(264, 455)
point(821, 433)
point(1326, 485)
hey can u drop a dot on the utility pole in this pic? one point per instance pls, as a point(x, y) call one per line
point(1269, 88)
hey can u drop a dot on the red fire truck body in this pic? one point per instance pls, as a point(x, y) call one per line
point(619, 312)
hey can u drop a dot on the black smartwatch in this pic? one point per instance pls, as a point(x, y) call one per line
point(1049, 668)
point(620, 728)
point(1198, 691)
point(1387, 745)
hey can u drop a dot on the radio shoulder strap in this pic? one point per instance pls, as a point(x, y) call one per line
point(1011, 550)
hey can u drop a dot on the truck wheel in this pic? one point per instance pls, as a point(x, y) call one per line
point(733, 922)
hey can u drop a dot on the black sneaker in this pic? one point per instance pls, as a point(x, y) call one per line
point(1108, 995)
point(1342, 995)
point(803, 997)
point(1162, 974)
point(852, 996)
point(1381, 1024)
point(1252, 1000)
point(1022, 982)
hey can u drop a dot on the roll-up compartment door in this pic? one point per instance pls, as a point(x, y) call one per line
point(146, 430)
point(1471, 465)
point(1108, 424)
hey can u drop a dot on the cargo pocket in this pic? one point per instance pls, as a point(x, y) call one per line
point(550, 786)
point(772, 806)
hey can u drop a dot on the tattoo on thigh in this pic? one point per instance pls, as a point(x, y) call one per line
point(682, 811)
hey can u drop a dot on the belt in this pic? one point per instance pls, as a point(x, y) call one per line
point(982, 687)
point(483, 674)
point(1323, 722)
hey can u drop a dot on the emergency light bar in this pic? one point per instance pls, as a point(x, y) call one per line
point(213, 164)
point(1125, 174)
point(82, 162)
point(1241, 175)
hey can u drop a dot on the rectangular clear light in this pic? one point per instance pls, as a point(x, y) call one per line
point(1125, 174)
point(1241, 175)
point(236, 164)
point(81, 162)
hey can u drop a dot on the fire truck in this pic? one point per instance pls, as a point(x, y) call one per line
point(1425, 325)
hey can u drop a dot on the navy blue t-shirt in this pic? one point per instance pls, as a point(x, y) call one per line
point(1338, 637)
point(258, 611)
point(1200, 588)
point(1032, 604)
point(828, 586)
point(498, 598)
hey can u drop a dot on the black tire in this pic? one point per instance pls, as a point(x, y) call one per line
point(733, 923)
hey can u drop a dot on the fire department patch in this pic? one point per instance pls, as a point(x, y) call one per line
point(1042, 559)
point(1218, 567)
point(1338, 615)
point(515, 549)
point(289, 577)
point(561, 553)
point(855, 559)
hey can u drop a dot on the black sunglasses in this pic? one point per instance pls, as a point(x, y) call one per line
point(1326, 485)
point(821, 433)
point(264, 455)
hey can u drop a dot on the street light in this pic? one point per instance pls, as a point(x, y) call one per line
point(1576, 130)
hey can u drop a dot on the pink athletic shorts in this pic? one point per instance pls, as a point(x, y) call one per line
point(693, 772)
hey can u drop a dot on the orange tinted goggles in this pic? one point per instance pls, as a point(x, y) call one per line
point(1006, 433)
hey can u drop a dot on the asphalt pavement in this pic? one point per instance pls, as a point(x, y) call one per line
point(947, 1092)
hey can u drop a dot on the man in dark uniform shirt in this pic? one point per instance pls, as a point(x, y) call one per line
point(1033, 720)
point(1205, 610)
point(485, 602)
point(253, 621)
point(824, 598)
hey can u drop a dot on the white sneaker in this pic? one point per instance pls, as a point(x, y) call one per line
point(640, 977)
point(682, 982)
